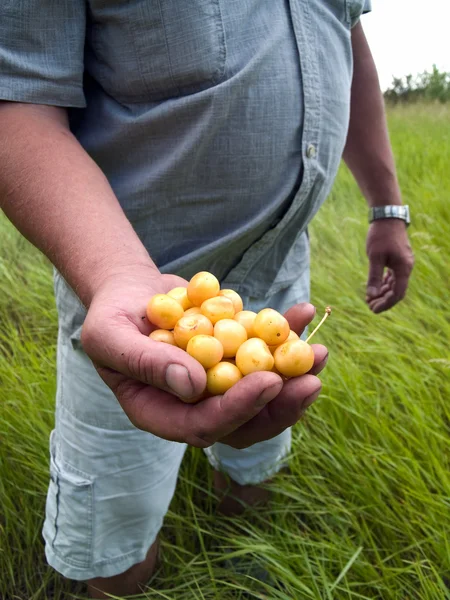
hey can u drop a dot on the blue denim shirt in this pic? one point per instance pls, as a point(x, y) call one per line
point(220, 124)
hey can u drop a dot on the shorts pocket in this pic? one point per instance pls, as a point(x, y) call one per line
point(68, 527)
point(71, 312)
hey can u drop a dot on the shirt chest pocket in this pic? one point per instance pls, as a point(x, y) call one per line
point(143, 50)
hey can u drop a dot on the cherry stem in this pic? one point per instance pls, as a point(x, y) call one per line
point(324, 318)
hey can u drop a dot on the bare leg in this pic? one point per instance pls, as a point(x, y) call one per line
point(129, 582)
point(235, 497)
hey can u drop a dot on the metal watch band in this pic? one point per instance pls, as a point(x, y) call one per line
point(394, 211)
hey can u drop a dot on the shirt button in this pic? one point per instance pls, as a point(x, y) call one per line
point(311, 151)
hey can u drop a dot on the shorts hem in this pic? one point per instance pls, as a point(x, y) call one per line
point(106, 568)
point(255, 476)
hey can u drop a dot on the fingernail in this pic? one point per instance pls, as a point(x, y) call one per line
point(310, 399)
point(178, 380)
point(269, 394)
point(372, 291)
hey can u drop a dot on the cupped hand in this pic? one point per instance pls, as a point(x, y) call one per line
point(149, 377)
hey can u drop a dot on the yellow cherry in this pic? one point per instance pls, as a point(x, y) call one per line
point(222, 377)
point(294, 358)
point(271, 326)
point(195, 310)
point(231, 334)
point(187, 327)
point(180, 295)
point(254, 355)
point(164, 311)
point(163, 335)
point(246, 318)
point(292, 336)
point(235, 299)
point(202, 286)
point(217, 308)
point(206, 349)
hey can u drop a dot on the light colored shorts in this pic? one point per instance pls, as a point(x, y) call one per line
point(111, 483)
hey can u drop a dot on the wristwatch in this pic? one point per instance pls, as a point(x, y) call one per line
point(394, 211)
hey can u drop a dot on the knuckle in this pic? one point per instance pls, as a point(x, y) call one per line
point(123, 389)
point(198, 435)
point(127, 396)
point(200, 439)
point(105, 374)
point(89, 336)
point(139, 365)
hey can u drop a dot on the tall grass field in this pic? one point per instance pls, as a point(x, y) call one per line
point(364, 511)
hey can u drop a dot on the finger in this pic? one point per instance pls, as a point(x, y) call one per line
point(320, 358)
point(388, 292)
point(376, 270)
point(307, 387)
point(401, 280)
point(299, 316)
point(386, 287)
point(398, 284)
point(379, 305)
point(146, 407)
point(219, 416)
point(388, 276)
point(200, 425)
point(123, 348)
point(284, 411)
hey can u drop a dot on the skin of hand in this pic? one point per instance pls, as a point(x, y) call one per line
point(148, 377)
point(387, 247)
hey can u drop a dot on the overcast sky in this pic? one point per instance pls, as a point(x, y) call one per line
point(408, 36)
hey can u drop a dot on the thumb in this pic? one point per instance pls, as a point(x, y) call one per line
point(126, 350)
point(375, 280)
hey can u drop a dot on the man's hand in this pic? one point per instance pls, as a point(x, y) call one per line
point(387, 247)
point(148, 377)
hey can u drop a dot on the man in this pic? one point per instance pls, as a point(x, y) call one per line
point(159, 136)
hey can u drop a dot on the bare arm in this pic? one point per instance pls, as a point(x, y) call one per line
point(60, 200)
point(369, 156)
point(368, 152)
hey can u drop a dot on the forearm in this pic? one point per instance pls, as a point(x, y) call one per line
point(368, 152)
point(58, 198)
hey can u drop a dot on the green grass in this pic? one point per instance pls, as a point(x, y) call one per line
point(364, 511)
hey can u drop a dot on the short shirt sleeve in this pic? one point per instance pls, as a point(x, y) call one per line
point(357, 8)
point(42, 51)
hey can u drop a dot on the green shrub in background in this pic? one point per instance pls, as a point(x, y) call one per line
point(426, 86)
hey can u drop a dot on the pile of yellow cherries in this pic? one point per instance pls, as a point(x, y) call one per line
point(212, 326)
